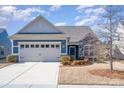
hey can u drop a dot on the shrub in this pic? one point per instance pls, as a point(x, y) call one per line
point(81, 58)
point(72, 58)
point(11, 58)
point(65, 60)
point(77, 62)
point(85, 61)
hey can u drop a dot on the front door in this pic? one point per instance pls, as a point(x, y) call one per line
point(72, 51)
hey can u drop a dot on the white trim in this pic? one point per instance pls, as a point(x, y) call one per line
point(66, 45)
point(66, 48)
point(39, 42)
point(15, 54)
point(16, 46)
point(12, 47)
point(74, 50)
point(73, 43)
point(41, 37)
point(79, 54)
point(19, 52)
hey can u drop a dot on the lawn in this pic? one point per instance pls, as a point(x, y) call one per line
point(85, 75)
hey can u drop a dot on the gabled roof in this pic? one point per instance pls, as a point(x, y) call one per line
point(2, 30)
point(39, 26)
point(76, 33)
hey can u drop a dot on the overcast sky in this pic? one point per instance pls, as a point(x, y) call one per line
point(15, 17)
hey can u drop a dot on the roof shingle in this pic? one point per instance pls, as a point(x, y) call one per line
point(75, 33)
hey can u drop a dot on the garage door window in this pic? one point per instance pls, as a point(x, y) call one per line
point(47, 46)
point(57, 46)
point(52, 46)
point(22, 46)
point(42, 46)
point(26, 46)
point(32, 46)
point(37, 46)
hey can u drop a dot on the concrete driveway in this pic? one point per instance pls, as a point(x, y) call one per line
point(30, 75)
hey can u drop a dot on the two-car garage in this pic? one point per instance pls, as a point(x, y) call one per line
point(39, 51)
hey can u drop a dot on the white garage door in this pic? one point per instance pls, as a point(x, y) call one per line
point(46, 51)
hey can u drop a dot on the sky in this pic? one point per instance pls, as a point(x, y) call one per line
point(14, 18)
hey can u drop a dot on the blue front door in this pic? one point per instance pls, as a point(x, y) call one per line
point(72, 51)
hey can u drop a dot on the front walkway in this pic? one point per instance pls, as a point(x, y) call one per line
point(30, 74)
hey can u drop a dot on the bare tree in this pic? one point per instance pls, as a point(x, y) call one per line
point(108, 27)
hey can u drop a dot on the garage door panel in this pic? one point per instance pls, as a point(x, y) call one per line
point(51, 54)
point(40, 54)
point(29, 54)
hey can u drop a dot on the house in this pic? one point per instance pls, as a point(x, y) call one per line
point(5, 43)
point(40, 40)
point(118, 43)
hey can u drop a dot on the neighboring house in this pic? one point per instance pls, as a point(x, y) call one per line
point(42, 41)
point(118, 43)
point(5, 43)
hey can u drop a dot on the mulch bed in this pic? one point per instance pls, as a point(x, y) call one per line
point(115, 74)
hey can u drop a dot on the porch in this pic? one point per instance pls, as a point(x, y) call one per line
point(79, 52)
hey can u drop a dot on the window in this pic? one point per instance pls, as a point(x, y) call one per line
point(47, 46)
point(22, 46)
point(42, 46)
point(26, 46)
point(57, 46)
point(2, 52)
point(37, 46)
point(52, 46)
point(88, 50)
point(32, 46)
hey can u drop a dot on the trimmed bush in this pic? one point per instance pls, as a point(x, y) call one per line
point(65, 60)
point(85, 61)
point(80, 62)
point(77, 62)
point(81, 58)
point(12, 58)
